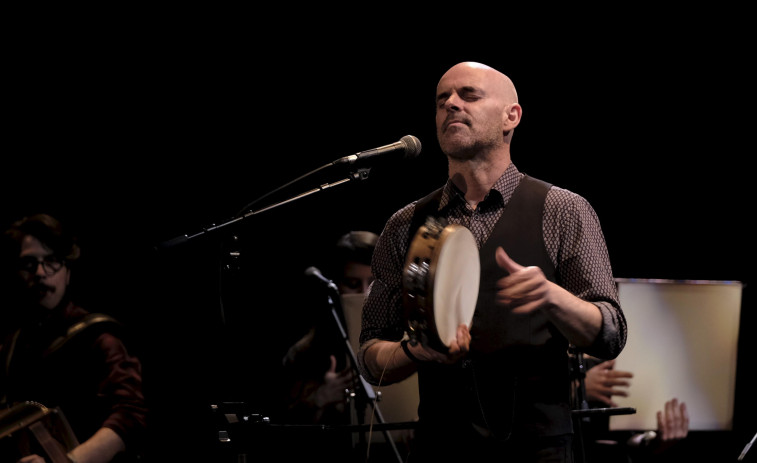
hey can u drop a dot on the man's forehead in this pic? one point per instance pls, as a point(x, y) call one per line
point(476, 78)
point(461, 77)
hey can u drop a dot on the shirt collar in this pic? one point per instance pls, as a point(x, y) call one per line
point(504, 188)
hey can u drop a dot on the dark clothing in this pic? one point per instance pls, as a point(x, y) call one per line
point(91, 377)
point(302, 374)
point(512, 394)
point(469, 446)
point(304, 367)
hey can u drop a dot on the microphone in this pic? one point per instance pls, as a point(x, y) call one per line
point(409, 144)
point(314, 272)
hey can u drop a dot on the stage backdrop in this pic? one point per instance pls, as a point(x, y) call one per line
point(682, 342)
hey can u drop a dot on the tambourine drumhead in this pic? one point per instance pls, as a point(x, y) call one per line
point(441, 282)
point(456, 284)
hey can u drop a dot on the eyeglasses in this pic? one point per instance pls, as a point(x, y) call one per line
point(50, 264)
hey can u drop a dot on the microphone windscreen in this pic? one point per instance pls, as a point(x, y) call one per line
point(412, 146)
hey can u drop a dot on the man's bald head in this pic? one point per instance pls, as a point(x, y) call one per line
point(476, 111)
point(499, 82)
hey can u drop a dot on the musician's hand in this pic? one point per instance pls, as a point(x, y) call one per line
point(458, 348)
point(602, 382)
point(32, 459)
point(673, 422)
point(525, 288)
point(672, 427)
point(332, 390)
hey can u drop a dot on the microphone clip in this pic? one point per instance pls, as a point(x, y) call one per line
point(360, 174)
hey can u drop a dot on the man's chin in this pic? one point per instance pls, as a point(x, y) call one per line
point(49, 303)
point(45, 297)
point(458, 147)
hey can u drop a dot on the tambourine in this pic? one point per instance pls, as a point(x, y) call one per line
point(440, 283)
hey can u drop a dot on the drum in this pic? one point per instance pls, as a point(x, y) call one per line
point(440, 283)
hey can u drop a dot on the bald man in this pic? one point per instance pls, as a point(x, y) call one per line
point(498, 390)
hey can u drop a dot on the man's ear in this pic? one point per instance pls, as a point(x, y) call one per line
point(511, 117)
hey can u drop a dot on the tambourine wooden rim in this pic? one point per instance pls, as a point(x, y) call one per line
point(440, 282)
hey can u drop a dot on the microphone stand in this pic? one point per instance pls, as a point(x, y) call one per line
point(334, 300)
point(359, 174)
point(747, 447)
point(583, 412)
point(579, 373)
point(366, 390)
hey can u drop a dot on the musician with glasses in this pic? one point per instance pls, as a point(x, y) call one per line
point(57, 354)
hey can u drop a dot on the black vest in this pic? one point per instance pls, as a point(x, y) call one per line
point(517, 375)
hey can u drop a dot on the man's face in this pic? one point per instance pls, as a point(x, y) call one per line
point(356, 278)
point(470, 105)
point(47, 278)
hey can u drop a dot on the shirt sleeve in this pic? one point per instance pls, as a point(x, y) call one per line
point(576, 244)
point(383, 316)
point(122, 390)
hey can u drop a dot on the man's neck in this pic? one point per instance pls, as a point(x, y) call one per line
point(475, 178)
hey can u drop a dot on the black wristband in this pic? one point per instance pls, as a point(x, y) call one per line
point(408, 353)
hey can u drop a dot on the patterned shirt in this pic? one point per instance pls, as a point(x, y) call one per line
point(572, 235)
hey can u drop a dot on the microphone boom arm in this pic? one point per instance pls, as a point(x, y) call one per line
point(359, 174)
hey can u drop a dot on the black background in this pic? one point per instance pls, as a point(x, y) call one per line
point(138, 132)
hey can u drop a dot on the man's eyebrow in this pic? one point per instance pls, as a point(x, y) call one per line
point(463, 90)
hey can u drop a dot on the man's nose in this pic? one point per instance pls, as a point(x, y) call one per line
point(453, 102)
point(40, 270)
